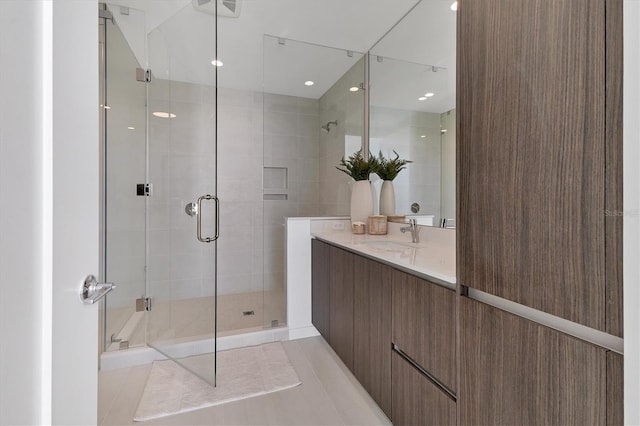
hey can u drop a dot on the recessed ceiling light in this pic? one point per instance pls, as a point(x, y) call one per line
point(131, 128)
point(423, 136)
point(454, 6)
point(422, 98)
point(354, 89)
point(428, 95)
point(216, 63)
point(162, 114)
point(309, 83)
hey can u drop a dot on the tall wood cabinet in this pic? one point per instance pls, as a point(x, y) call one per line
point(517, 372)
point(538, 156)
point(539, 190)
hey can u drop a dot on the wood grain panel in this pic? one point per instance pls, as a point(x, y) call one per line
point(416, 401)
point(320, 267)
point(424, 321)
point(530, 159)
point(341, 304)
point(613, 169)
point(516, 372)
point(615, 389)
point(372, 330)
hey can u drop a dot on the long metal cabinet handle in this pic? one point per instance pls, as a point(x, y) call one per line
point(199, 219)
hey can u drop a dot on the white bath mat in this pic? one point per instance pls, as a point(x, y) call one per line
point(241, 373)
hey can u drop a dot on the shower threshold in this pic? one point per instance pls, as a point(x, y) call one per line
point(181, 348)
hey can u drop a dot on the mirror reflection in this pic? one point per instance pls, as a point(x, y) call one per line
point(412, 101)
point(309, 124)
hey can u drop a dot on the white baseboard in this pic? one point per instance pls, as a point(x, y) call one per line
point(303, 332)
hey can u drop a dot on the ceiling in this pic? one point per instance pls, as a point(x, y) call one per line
point(181, 41)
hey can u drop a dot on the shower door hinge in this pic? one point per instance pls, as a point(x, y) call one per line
point(105, 14)
point(144, 189)
point(143, 304)
point(143, 75)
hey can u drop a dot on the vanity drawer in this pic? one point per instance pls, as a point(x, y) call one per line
point(423, 325)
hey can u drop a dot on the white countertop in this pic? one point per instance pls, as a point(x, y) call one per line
point(434, 258)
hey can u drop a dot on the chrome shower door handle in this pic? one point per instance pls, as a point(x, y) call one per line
point(199, 219)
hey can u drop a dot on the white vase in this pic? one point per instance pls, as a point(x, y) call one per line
point(387, 199)
point(361, 201)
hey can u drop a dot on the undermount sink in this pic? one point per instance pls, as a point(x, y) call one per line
point(391, 246)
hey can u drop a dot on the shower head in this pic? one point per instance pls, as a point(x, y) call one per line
point(327, 127)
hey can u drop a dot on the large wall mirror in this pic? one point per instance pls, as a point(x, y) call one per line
point(412, 109)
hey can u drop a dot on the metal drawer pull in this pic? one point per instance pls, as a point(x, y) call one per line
point(91, 290)
point(199, 219)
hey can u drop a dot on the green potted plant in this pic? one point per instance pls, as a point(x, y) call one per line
point(388, 169)
point(359, 170)
point(357, 167)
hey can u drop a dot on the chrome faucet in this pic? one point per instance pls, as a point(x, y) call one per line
point(415, 231)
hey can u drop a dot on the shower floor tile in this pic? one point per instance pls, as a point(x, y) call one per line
point(329, 395)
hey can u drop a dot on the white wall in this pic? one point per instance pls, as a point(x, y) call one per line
point(75, 210)
point(631, 244)
point(21, 194)
point(48, 122)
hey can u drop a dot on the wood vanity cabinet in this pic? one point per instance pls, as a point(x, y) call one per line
point(424, 325)
point(416, 401)
point(424, 321)
point(341, 286)
point(515, 371)
point(351, 308)
point(320, 267)
point(372, 330)
point(362, 306)
point(332, 297)
point(539, 155)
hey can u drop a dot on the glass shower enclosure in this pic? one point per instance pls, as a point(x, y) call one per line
point(160, 208)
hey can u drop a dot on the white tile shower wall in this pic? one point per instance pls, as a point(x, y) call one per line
point(291, 138)
point(251, 243)
point(240, 248)
point(347, 107)
point(181, 168)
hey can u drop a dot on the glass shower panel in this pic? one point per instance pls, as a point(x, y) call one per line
point(299, 175)
point(124, 161)
point(182, 168)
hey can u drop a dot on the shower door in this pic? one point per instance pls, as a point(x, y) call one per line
point(182, 207)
